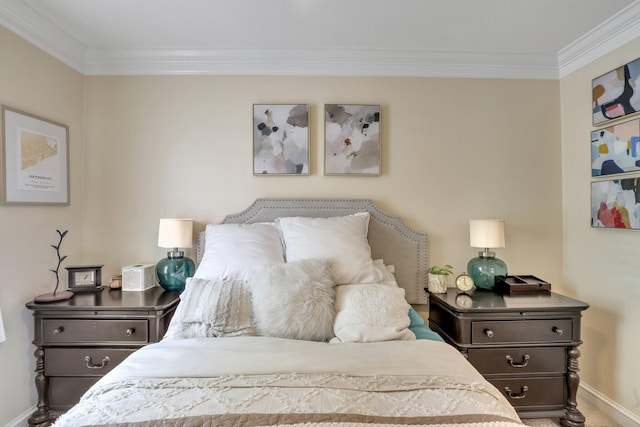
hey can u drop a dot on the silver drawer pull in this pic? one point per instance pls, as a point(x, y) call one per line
point(489, 333)
point(58, 330)
point(525, 361)
point(557, 330)
point(91, 365)
point(130, 331)
point(522, 395)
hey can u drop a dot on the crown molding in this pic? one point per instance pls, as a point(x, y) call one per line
point(20, 18)
point(23, 20)
point(621, 28)
point(327, 62)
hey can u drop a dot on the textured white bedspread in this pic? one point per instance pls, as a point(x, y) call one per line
point(249, 375)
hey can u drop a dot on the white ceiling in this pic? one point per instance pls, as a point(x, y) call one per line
point(459, 38)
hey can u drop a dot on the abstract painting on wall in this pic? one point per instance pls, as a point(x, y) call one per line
point(616, 204)
point(615, 94)
point(281, 139)
point(352, 139)
point(616, 149)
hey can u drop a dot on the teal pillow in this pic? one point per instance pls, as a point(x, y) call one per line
point(421, 330)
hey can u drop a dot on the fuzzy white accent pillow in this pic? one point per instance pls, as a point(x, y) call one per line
point(370, 313)
point(342, 240)
point(294, 300)
point(232, 250)
point(212, 309)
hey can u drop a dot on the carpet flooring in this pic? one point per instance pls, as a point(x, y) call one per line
point(593, 418)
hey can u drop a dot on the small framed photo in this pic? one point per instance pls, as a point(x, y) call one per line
point(352, 139)
point(35, 160)
point(85, 278)
point(281, 139)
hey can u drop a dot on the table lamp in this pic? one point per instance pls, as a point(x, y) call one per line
point(486, 234)
point(172, 272)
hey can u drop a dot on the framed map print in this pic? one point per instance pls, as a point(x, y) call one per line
point(35, 160)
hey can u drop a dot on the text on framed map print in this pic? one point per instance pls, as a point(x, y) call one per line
point(35, 160)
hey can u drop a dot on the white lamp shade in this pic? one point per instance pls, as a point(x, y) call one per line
point(486, 233)
point(175, 233)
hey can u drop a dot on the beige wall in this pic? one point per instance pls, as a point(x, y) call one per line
point(36, 83)
point(600, 266)
point(453, 149)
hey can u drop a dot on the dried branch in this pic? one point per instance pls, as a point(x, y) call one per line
point(60, 259)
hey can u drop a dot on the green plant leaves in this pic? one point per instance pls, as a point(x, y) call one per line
point(435, 269)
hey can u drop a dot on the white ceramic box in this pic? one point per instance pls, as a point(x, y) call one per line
point(138, 277)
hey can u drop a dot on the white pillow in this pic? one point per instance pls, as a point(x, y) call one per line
point(386, 273)
point(342, 240)
point(232, 250)
point(370, 313)
point(212, 309)
point(294, 300)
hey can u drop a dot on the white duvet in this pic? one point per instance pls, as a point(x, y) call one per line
point(200, 376)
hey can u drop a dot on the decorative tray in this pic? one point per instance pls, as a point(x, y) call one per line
point(522, 284)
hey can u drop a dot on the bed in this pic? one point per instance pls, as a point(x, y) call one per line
point(299, 314)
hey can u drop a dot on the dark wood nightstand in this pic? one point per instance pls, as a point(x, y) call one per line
point(80, 339)
point(525, 345)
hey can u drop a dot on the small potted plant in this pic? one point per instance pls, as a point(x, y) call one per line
point(438, 278)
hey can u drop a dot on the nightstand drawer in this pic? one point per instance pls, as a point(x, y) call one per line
point(83, 361)
point(57, 331)
point(509, 361)
point(521, 331)
point(64, 392)
point(532, 393)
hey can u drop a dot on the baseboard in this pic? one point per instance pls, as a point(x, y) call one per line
point(22, 419)
point(610, 408)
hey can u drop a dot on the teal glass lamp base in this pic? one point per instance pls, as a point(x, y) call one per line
point(485, 268)
point(172, 272)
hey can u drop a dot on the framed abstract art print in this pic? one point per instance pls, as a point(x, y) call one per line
point(280, 139)
point(615, 94)
point(352, 139)
point(616, 204)
point(616, 149)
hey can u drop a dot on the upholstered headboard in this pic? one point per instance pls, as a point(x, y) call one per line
point(389, 237)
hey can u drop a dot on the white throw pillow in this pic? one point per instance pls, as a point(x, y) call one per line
point(342, 240)
point(370, 313)
point(386, 273)
point(232, 250)
point(208, 308)
point(294, 300)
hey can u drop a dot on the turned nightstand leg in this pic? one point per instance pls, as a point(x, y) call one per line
point(41, 416)
point(573, 417)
